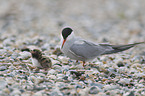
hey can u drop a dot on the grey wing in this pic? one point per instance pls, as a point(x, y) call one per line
point(88, 49)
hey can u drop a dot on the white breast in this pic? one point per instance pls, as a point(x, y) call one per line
point(35, 63)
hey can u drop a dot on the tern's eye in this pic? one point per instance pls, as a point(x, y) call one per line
point(66, 32)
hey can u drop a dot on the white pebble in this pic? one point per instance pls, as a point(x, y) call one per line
point(52, 77)
point(52, 71)
point(124, 81)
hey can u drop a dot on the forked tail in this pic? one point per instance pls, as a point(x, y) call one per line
point(119, 48)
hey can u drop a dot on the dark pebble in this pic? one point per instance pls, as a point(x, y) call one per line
point(2, 68)
point(93, 90)
point(120, 64)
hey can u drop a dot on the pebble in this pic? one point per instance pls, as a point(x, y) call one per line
point(101, 94)
point(3, 83)
point(120, 64)
point(52, 77)
point(56, 92)
point(82, 92)
point(16, 92)
point(63, 60)
point(39, 93)
point(2, 68)
point(60, 76)
point(24, 55)
point(45, 46)
point(124, 81)
point(140, 85)
point(97, 84)
point(57, 67)
point(52, 71)
point(6, 90)
point(55, 62)
point(94, 90)
point(111, 87)
point(41, 74)
point(33, 79)
point(129, 94)
point(8, 41)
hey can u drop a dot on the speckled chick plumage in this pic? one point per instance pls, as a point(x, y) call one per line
point(40, 61)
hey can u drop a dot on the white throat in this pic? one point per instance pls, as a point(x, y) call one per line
point(35, 62)
point(69, 39)
point(68, 43)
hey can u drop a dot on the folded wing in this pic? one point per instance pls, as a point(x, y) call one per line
point(90, 50)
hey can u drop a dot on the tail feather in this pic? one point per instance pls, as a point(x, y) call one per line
point(119, 48)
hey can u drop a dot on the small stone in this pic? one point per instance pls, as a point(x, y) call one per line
point(2, 51)
point(33, 79)
point(66, 67)
point(55, 62)
point(15, 55)
point(101, 94)
point(25, 49)
point(78, 86)
point(84, 92)
point(26, 94)
point(6, 90)
point(60, 76)
point(2, 68)
point(52, 77)
point(54, 57)
point(76, 73)
point(39, 93)
point(45, 46)
point(3, 84)
point(57, 67)
point(120, 64)
point(111, 87)
point(56, 92)
point(97, 84)
point(10, 80)
point(52, 71)
point(39, 80)
point(124, 81)
point(129, 94)
point(139, 75)
point(8, 41)
point(139, 85)
point(16, 92)
point(24, 55)
point(63, 59)
point(93, 90)
point(1, 57)
point(65, 77)
point(41, 74)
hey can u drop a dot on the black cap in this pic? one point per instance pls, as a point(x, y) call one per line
point(66, 32)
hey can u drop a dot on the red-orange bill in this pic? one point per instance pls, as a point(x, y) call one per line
point(63, 43)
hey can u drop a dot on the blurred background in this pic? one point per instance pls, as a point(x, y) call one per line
point(116, 22)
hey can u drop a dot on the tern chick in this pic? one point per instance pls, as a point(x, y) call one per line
point(40, 61)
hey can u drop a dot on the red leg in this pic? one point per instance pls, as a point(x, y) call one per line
point(84, 63)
